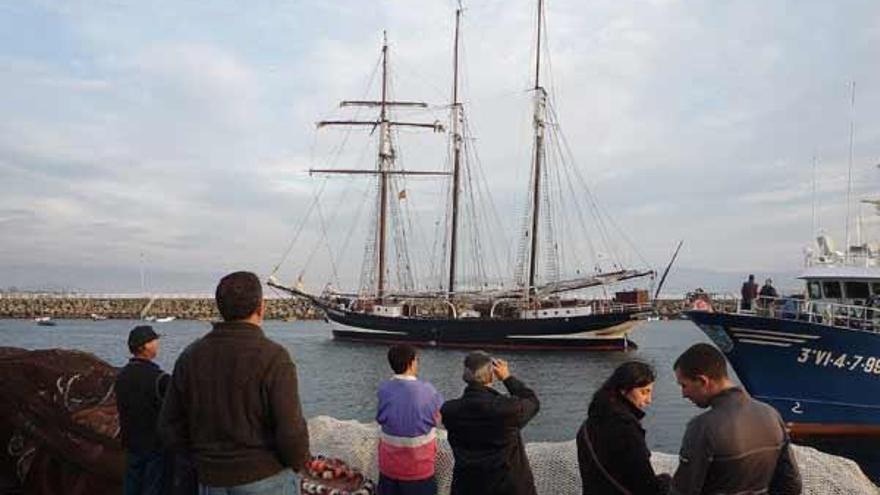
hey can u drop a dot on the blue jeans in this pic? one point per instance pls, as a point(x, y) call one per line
point(285, 482)
point(390, 486)
point(144, 473)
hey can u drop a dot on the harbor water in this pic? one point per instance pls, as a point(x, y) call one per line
point(340, 379)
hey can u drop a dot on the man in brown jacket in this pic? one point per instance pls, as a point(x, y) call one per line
point(233, 401)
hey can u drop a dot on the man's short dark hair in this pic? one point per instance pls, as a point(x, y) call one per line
point(400, 357)
point(702, 359)
point(238, 295)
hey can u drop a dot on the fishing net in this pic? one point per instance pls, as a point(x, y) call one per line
point(554, 465)
point(58, 425)
point(59, 430)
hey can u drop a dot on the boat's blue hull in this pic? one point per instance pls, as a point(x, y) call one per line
point(564, 333)
point(822, 379)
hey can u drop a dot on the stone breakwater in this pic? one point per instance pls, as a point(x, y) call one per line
point(137, 307)
point(188, 308)
point(554, 464)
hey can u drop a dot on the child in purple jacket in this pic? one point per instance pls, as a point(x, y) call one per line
point(409, 411)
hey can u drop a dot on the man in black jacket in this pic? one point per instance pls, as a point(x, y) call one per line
point(234, 401)
point(484, 430)
point(140, 388)
point(749, 292)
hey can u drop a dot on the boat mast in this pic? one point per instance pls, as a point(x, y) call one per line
point(386, 158)
point(385, 164)
point(539, 124)
point(456, 160)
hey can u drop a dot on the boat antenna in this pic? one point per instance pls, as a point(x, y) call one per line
point(813, 221)
point(852, 127)
point(538, 48)
point(143, 276)
point(666, 271)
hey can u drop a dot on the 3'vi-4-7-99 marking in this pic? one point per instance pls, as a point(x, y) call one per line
point(844, 361)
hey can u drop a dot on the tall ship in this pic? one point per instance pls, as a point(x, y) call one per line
point(553, 303)
point(814, 357)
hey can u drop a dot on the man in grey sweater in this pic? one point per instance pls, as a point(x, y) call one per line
point(740, 445)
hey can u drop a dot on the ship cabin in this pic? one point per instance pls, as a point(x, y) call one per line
point(840, 296)
point(842, 284)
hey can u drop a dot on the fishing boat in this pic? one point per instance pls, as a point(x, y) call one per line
point(815, 357)
point(546, 307)
point(45, 321)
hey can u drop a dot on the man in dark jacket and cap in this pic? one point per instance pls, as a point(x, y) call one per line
point(140, 389)
point(484, 430)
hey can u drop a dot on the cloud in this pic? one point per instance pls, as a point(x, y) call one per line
point(185, 130)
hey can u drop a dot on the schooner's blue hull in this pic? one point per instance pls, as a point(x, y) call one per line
point(591, 332)
point(824, 380)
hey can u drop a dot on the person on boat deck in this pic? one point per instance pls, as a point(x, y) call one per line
point(612, 454)
point(749, 292)
point(767, 290)
point(140, 389)
point(740, 445)
point(234, 403)
point(408, 412)
point(484, 430)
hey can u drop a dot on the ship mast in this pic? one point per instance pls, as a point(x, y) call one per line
point(385, 162)
point(386, 159)
point(539, 127)
point(456, 160)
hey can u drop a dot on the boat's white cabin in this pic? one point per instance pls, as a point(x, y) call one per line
point(848, 278)
point(846, 286)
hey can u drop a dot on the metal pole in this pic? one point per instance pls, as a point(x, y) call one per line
point(456, 161)
point(540, 102)
point(384, 158)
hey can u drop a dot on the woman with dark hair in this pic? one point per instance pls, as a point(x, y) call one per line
point(612, 454)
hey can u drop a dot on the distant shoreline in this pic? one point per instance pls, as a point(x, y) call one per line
point(85, 307)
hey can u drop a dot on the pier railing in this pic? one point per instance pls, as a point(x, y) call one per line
point(850, 316)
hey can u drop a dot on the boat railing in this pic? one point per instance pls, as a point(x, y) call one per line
point(849, 316)
point(597, 306)
point(616, 307)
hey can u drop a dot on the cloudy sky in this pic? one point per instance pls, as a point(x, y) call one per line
point(176, 136)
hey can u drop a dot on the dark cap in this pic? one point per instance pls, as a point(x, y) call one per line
point(476, 360)
point(141, 335)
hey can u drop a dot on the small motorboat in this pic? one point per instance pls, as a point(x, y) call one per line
point(165, 319)
point(45, 321)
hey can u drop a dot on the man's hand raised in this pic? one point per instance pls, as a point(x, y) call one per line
point(501, 369)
